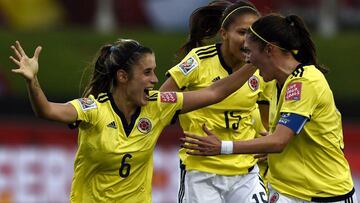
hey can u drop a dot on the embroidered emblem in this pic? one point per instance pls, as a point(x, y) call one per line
point(253, 83)
point(112, 125)
point(168, 97)
point(293, 91)
point(187, 66)
point(144, 125)
point(274, 198)
point(87, 104)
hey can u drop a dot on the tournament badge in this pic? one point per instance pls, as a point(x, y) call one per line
point(87, 104)
point(274, 198)
point(168, 97)
point(253, 83)
point(293, 91)
point(144, 125)
point(187, 66)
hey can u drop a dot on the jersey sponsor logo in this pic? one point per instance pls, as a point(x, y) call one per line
point(187, 66)
point(144, 125)
point(253, 83)
point(293, 91)
point(168, 97)
point(87, 103)
point(112, 125)
point(274, 198)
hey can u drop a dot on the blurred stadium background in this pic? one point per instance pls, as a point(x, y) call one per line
point(36, 156)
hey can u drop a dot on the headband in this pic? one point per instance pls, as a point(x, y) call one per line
point(233, 11)
point(294, 51)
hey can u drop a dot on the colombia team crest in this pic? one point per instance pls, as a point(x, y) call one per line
point(144, 125)
point(274, 198)
point(253, 83)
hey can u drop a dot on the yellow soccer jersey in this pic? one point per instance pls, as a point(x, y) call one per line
point(313, 164)
point(114, 160)
point(230, 119)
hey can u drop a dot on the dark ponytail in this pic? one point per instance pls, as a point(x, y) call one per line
point(306, 47)
point(206, 21)
point(290, 34)
point(123, 54)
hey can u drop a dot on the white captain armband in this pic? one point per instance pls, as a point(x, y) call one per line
point(227, 147)
point(293, 121)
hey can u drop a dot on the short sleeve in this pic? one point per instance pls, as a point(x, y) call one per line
point(186, 72)
point(87, 109)
point(300, 97)
point(170, 104)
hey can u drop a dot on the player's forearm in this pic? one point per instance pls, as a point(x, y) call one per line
point(266, 144)
point(39, 102)
point(223, 88)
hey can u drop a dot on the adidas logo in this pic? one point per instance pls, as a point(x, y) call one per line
point(215, 79)
point(112, 125)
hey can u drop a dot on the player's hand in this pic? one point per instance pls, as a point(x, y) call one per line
point(202, 146)
point(27, 67)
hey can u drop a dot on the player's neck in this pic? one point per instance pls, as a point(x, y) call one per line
point(127, 107)
point(231, 60)
point(285, 68)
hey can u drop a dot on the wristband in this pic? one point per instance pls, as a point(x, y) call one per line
point(227, 147)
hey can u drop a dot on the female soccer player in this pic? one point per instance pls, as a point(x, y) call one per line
point(230, 178)
point(119, 119)
point(307, 162)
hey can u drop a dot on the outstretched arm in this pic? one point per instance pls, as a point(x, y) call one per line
point(212, 145)
point(28, 68)
point(218, 91)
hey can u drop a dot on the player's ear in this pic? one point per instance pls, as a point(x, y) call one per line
point(223, 34)
point(268, 49)
point(122, 76)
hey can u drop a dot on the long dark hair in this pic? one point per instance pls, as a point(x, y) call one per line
point(123, 54)
point(206, 21)
point(289, 33)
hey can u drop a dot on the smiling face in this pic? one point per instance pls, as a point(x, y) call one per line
point(141, 79)
point(234, 36)
point(257, 55)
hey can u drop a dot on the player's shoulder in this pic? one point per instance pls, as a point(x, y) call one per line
point(94, 103)
point(197, 58)
point(205, 52)
point(306, 73)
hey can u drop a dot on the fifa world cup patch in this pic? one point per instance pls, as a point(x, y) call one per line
point(87, 103)
point(253, 83)
point(293, 91)
point(274, 198)
point(188, 65)
point(144, 125)
point(168, 97)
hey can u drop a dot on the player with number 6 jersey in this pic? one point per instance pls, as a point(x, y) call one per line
point(113, 151)
point(119, 118)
